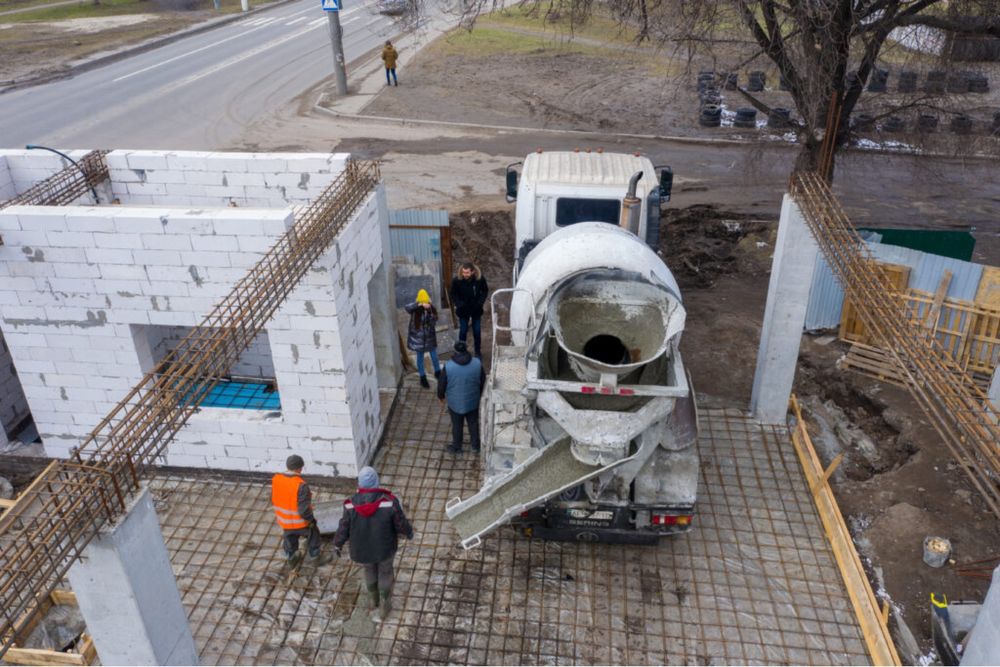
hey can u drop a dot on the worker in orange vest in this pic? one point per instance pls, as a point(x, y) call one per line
point(292, 501)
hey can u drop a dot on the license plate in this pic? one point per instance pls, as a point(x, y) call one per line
point(579, 517)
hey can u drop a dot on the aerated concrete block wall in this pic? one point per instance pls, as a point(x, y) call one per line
point(87, 294)
point(269, 180)
point(22, 169)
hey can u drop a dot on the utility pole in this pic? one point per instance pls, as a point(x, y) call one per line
point(245, 5)
point(337, 41)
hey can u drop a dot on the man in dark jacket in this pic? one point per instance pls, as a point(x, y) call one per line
point(373, 520)
point(468, 294)
point(292, 502)
point(461, 384)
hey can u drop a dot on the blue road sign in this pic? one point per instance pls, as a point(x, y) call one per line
point(331, 5)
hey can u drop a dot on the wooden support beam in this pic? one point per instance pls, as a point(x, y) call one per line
point(934, 314)
point(6, 504)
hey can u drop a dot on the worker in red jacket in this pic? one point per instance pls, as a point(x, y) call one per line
point(292, 502)
point(373, 520)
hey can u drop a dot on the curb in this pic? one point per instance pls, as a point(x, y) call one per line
point(696, 141)
point(142, 47)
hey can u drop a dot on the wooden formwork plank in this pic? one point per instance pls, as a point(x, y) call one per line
point(39, 656)
point(988, 294)
point(852, 329)
point(874, 628)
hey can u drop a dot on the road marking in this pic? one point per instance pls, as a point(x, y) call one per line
point(318, 21)
point(294, 21)
point(207, 46)
point(238, 59)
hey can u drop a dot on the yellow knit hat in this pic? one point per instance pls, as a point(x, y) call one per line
point(423, 296)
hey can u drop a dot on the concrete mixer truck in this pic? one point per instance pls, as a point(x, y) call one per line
point(588, 416)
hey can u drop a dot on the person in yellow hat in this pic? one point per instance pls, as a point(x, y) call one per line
point(421, 335)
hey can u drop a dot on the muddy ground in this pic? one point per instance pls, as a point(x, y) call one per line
point(892, 498)
point(552, 79)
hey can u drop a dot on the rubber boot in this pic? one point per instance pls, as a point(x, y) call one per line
point(386, 606)
point(373, 596)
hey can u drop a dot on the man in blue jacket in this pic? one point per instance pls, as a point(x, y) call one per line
point(461, 384)
point(373, 520)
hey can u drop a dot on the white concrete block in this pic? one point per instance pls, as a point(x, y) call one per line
point(148, 189)
point(215, 242)
point(213, 259)
point(188, 161)
point(75, 271)
point(117, 240)
point(105, 256)
point(158, 257)
point(137, 223)
point(168, 241)
point(238, 227)
point(148, 160)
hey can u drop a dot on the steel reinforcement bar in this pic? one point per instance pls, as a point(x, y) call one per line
point(957, 408)
point(45, 532)
point(66, 186)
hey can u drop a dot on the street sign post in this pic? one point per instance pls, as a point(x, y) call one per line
point(332, 9)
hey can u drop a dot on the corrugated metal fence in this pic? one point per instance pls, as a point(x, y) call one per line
point(826, 297)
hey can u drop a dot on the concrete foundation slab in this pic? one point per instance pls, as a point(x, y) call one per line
point(754, 583)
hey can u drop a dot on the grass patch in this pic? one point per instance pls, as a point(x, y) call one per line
point(596, 26)
point(485, 41)
point(112, 8)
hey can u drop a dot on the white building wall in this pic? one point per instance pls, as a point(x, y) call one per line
point(7, 189)
point(25, 168)
point(187, 178)
point(75, 283)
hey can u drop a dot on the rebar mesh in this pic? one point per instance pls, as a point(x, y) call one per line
point(113, 458)
point(66, 186)
point(755, 582)
point(958, 409)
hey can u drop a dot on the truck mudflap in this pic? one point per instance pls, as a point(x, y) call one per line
point(547, 473)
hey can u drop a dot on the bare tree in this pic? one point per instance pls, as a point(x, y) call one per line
point(825, 51)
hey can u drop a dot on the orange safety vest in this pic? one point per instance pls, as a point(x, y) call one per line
point(285, 499)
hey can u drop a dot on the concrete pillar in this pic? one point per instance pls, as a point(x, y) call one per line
point(128, 596)
point(983, 644)
point(994, 392)
point(784, 316)
point(381, 302)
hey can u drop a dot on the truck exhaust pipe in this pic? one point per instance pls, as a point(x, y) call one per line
point(631, 206)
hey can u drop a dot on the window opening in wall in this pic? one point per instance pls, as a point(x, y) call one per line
point(242, 395)
point(248, 385)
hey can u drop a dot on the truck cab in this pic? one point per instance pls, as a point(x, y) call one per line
point(561, 188)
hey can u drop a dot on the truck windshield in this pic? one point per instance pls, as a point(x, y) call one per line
point(570, 211)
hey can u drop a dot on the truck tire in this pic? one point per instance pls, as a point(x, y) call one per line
point(711, 116)
point(894, 124)
point(961, 124)
point(757, 81)
point(779, 118)
point(935, 83)
point(927, 122)
point(878, 82)
point(907, 82)
point(746, 117)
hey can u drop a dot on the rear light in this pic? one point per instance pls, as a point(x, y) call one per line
point(587, 390)
point(524, 513)
point(671, 520)
point(626, 392)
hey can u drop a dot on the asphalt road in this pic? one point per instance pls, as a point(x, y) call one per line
point(196, 93)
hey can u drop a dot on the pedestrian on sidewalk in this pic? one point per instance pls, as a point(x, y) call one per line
point(373, 520)
point(460, 386)
point(468, 293)
point(292, 502)
point(421, 334)
point(389, 57)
